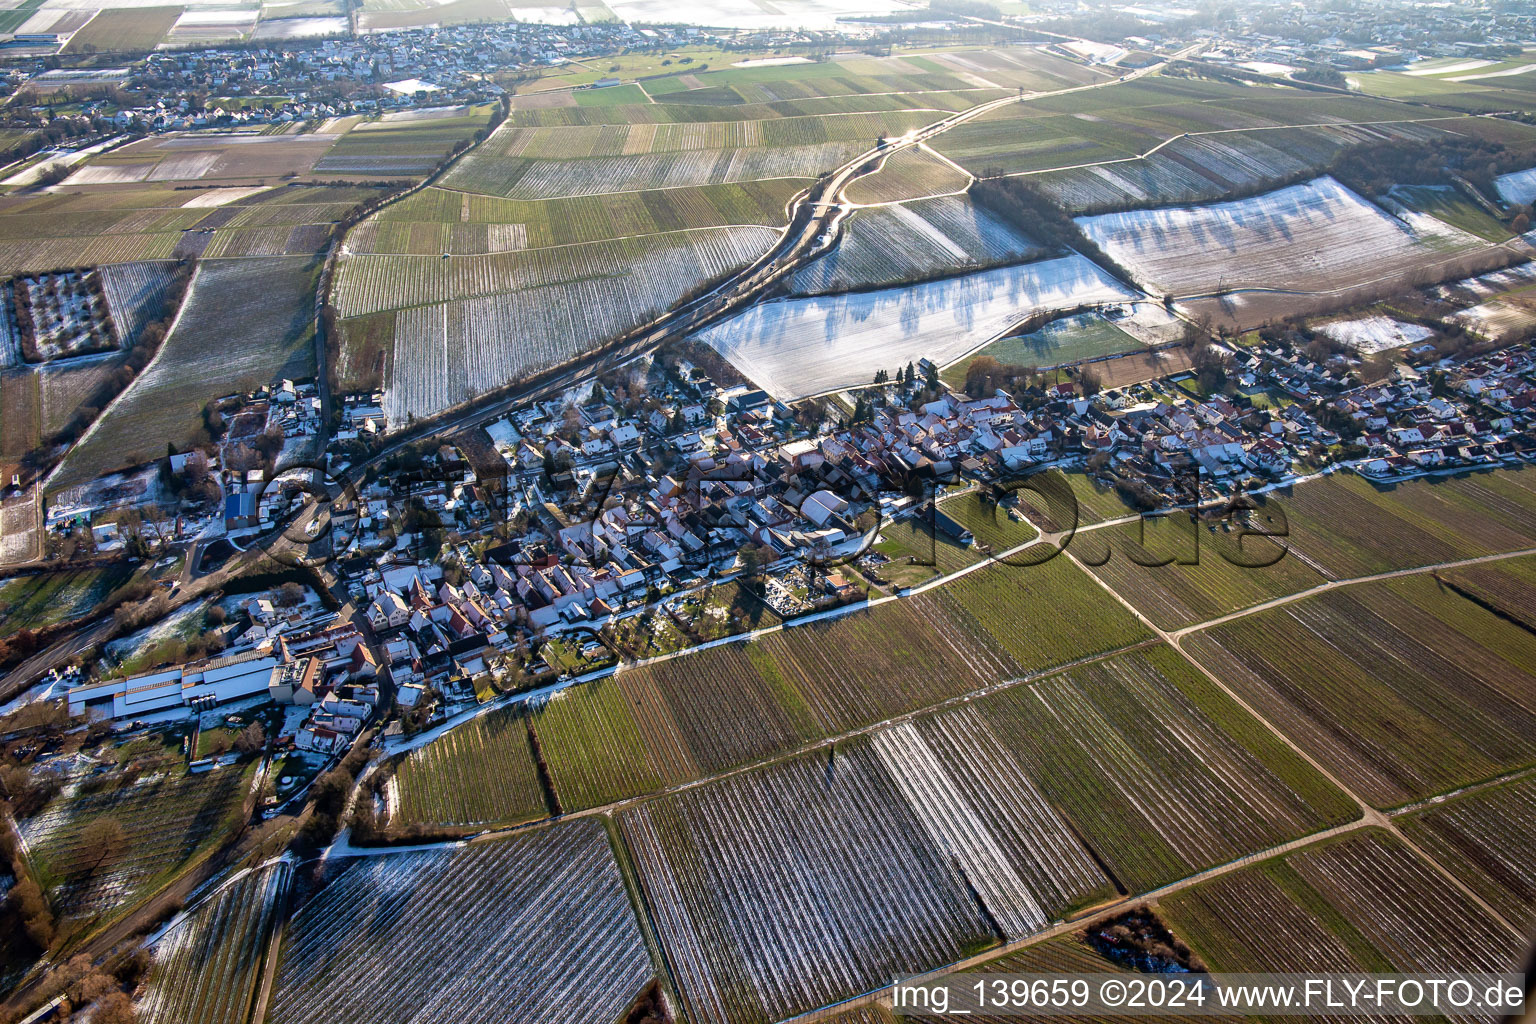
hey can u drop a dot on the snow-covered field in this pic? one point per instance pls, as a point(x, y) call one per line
point(551, 179)
point(1516, 187)
point(532, 928)
point(206, 965)
point(1375, 333)
point(799, 347)
point(524, 311)
point(895, 243)
point(1318, 236)
point(813, 880)
point(1500, 318)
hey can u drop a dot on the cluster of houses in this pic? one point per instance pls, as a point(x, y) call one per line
point(1481, 417)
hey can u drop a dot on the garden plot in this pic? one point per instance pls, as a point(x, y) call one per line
point(532, 928)
point(1375, 333)
point(205, 967)
point(1518, 187)
point(60, 315)
point(566, 301)
point(799, 347)
point(815, 879)
point(1318, 237)
point(901, 242)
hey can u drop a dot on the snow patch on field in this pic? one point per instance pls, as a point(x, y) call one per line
point(887, 244)
point(1516, 187)
point(221, 197)
point(1375, 333)
point(799, 347)
point(1316, 236)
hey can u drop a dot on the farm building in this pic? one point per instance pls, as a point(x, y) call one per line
point(217, 681)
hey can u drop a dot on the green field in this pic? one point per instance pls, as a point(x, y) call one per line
point(31, 602)
point(1073, 339)
point(480, 773)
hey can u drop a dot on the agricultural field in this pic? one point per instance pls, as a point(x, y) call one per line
point(480, 773)
point(900, 243)
point(1500, 586)
point(1451, 206)
point(1483, 838)
point(136, 295)
point(1209, 571)
point(603, 742)
point(393, 146)
point(1212, 165)
point(1364, 903)
point(916, 172)
point(43, 231)
point(436, 221)
point(536, 927)
point(1404, 689)
point(896, 841)
point(1311, 239)
point(94, 851)
point(206, 966)
point(124, 30)
point(800, 347)
point(553, 162)
point(500, 317)
point(1347, 526)
point(1072, 339)
point(994, 528)
point(1121, 746)
point(1518, 187)
point(204, 158)
point(713, 710)
point(43, 599)
point(917, 553)
point(268, 304)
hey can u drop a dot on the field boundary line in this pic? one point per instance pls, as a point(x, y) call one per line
point(1277, 602)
